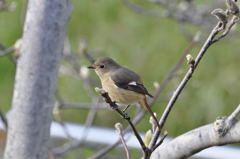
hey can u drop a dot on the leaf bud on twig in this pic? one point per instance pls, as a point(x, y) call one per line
point(220, 15)
point(118, 127)
point(190, 59)
point(232, 7)
point(147, 137)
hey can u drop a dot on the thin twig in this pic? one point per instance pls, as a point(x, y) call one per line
point(160, 142)
point(118, 127)
point(183, 12)
point(177, 92)
point(174, 69)
point(156, 95)
point(84, 51)
point(62, 150)
point(234, 114)
point(7, 51)
point(114, 106)
point(75, 70)
point(183, 83)
point(68, 105)
point(56, 114)
point(144, 11)
point(234, 20)
point(223, 125)
point(105, 150)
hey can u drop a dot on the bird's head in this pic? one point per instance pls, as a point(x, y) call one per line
point(104, 66)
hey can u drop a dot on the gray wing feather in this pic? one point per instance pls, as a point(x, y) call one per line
point(123, 76)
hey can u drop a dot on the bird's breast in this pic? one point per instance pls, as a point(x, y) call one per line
point(120, 95)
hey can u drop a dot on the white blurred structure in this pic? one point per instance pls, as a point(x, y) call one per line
point(107, 136)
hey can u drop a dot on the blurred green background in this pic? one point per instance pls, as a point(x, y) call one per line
point(148, 45)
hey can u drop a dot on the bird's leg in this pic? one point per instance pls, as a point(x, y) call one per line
point(126, 108)
point(113, 105)
point(125, 116)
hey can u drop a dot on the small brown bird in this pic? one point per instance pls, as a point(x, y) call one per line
point(123, 85)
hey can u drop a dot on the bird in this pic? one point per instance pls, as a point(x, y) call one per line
point(122, 85)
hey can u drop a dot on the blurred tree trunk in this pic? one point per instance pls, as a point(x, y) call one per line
point(36, 79)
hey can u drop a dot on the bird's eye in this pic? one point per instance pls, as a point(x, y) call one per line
point(101, 66)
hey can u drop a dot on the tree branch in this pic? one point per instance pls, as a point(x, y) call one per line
point(118, 127)
point(159, 89)
point(198, 139)
point(183, 83)
point(234, 114)
point(114, 106)
point(210, 40)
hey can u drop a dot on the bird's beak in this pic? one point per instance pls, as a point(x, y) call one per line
point(91, 67)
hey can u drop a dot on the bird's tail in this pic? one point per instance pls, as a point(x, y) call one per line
point(145, 105)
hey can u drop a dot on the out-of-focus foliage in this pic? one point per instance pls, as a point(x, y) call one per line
point(148, 45)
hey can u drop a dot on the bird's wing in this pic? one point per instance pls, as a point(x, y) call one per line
point(127, 79)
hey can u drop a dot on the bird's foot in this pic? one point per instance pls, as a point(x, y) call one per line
point(125, 116)
point(124, 110)
point(113, 105)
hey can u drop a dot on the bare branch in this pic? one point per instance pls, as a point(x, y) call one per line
point(223, 124)
point(118, 127)
point(233, 21)
point(234, 114)
point(172, 72)
point(161, 141)
point(6, 51)
point(196, 140)
point(83, 51)
point(185, 80)
point(144, 11)
point(114, 106)
point(159, 89)
point(73, 144)
point(62, 150)
point(183, 12)
point(210, 40)
point(104, 151)
point(57, 116)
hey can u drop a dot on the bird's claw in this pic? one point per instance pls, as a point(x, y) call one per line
point(125, 116)
point(124, 110)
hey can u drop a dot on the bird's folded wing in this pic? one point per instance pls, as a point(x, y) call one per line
point(127, 79)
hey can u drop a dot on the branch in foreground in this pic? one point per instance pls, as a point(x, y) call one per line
point(159, 89)
point(196, 140)
point(118, 127)
point(210, 40)
point(224, 124)
point(114, 106)
point(182, 85)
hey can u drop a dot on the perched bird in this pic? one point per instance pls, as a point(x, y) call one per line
point(123, 85)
